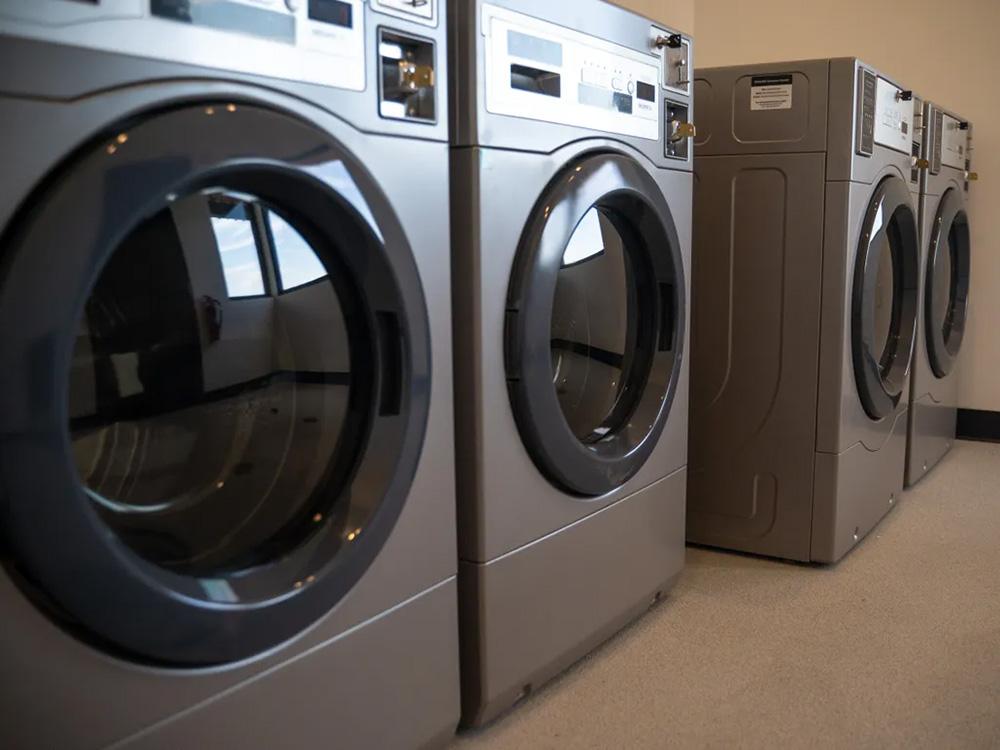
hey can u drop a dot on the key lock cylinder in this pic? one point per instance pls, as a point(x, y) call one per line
point(676, 75)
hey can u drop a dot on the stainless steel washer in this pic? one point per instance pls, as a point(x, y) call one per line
point(226, 464)
point(805, 302)
point(571, 176)
point(945, 268)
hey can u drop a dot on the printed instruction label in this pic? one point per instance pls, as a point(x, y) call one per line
point(771, 92)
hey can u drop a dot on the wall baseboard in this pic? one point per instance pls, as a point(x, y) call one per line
point(975, 424)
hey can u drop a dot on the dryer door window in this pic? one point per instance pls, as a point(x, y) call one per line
point(885, 298)
point(242, 330)
point(595, 324)
point(946, 290)
point(594, 327)
point(206, 424)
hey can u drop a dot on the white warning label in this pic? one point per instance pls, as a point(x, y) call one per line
point(771, 92)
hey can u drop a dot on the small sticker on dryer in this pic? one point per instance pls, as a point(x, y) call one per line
point(771, 92)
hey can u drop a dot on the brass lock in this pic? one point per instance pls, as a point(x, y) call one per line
point(413, 76)
point(682, 130)
point(972, 176)
point(921, 164)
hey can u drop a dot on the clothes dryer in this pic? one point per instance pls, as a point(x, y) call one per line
point(805, 301)
point(945, 268)
point(226, 452)
point(571, 176)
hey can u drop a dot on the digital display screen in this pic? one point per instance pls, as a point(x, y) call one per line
point(645, 91)
point(334, 12)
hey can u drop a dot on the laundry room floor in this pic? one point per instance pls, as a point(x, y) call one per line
point(898, 645)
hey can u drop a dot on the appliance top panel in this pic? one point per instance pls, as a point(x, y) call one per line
point(763, 108)
point(309, 41)
point(842, 106)
point(542, 71)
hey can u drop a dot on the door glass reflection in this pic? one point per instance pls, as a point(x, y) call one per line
point(207, 426)
point(239, 247)
point(885, 250)
point(945, 277)
point(297, 263)
point(593, 326)
point(883, 298)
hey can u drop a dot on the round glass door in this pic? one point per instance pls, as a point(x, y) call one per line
point(206, 416)
point(594, 324)
point(884, 298)
point(217, 384)
point(594, 328)
point(947, 286)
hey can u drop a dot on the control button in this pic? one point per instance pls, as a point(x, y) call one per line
point(631, 87)
point(293, 5)
point(617, 84)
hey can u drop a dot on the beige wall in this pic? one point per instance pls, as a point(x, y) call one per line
point(678, 14)
point(946, 51)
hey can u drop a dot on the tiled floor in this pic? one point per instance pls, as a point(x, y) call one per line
point(897, 646)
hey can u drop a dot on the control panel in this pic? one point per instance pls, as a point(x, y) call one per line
point(885, 115)
point(313, 41)
point(953, 142)
point(917, 160)
point(865, 125)
point(541, 71)
point(935, 123)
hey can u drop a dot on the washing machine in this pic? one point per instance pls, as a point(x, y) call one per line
point(805, 276)
point(944, 289)
point(571, 177)
point(226, 431)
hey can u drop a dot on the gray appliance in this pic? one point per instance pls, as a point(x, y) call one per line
point(571, 177)
point(945, 267)
point(226, 466)
point(805, 297)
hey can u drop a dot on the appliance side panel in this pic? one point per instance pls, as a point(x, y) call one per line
point(836, 288)
point(757, 273)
